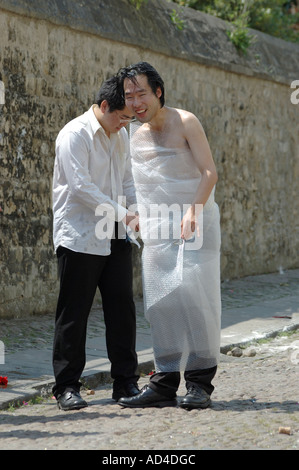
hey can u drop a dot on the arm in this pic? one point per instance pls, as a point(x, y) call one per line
point(131, 218)
point(199, 146)
point(128, 181)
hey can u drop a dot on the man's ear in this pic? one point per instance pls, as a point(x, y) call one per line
point(104, 106)
point(158, 92)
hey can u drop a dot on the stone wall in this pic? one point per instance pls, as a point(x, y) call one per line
point(53, 58)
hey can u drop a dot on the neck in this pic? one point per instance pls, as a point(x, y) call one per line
point(100, 118)
point(158, 122)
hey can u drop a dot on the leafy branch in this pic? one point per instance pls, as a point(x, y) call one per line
point(239, 34)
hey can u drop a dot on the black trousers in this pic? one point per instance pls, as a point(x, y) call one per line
point(80, 275)
point(167, 383)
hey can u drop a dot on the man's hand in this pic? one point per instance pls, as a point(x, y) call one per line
point(189, 224)
point(132, 220)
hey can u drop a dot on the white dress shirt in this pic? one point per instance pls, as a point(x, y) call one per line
point(90, 170)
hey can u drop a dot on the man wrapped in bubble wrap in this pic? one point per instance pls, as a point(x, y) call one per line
point(175, 179)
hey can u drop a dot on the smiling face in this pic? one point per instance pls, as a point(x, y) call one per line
point(140, 99)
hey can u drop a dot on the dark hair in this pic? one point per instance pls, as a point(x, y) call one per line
point(111, 91)
point(144, 68)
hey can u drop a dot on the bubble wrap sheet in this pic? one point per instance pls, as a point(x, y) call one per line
point(181, 282)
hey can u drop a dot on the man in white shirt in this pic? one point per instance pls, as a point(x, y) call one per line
point(92, 173)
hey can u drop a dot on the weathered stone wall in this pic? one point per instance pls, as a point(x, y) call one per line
point(53, 58)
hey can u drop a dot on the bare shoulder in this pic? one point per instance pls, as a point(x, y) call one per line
point(187, 118)
point(191, 125)
point(184, 114)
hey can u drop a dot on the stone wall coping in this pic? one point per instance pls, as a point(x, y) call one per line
point(151, 28)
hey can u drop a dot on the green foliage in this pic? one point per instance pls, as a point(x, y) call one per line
point(174, 15)
point(239, 34)
point(176, 19)
point(274, 18)
point(269, 16)
point(137, 3)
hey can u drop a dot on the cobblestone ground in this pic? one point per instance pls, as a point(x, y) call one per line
point(254, 398)
point(38, 331)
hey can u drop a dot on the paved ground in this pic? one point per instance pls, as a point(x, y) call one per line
point(255, 403)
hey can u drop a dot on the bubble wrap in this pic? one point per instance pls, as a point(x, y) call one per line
point(181, 282)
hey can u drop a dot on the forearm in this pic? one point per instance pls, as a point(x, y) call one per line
point(208, 180)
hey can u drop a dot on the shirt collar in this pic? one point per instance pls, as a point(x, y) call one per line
point(95, 125)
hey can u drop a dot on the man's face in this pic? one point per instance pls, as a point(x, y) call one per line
point(114, 121)
point(140, 99)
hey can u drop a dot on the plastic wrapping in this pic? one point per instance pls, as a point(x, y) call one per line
point(181, 280)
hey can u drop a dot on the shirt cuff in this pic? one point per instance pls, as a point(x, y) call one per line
point(120, 213)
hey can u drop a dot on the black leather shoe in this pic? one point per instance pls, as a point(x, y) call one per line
point(127, 390)
point(71, 401)
point(146, 398)
point(195, 397)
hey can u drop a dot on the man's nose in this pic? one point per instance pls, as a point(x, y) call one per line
point(136, 102)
